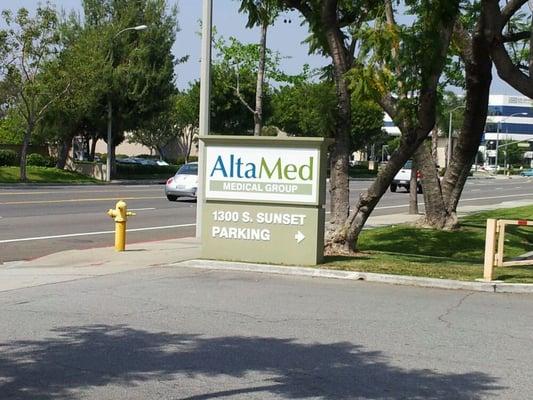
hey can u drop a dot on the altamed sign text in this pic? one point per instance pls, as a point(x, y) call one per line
point(242, 173)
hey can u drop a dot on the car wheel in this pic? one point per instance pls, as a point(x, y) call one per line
point(393, 187)
point(171, 197)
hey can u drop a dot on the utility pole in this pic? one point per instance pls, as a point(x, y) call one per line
point(205, 96)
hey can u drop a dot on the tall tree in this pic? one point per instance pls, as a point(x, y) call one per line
point(243, 61)
point(310, 109)
point(229, 114)
point(400, 65)
point(178, 124)
point(80, 63)
point(442, 196)
point(261, 13)
point(187, 110)
point(140, 71)
point(334, 27)
point(30, 42)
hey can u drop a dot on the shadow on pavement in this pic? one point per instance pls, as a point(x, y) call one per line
point(81, 357)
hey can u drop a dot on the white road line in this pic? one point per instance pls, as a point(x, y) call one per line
point(498, 197)
point(59, 192)
point(153, 228)
point(472, 199)
point(141, 209)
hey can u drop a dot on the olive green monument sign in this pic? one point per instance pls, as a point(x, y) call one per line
point(264, 199)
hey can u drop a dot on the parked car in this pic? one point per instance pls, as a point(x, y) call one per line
point(403, 178)
point(184, 183)
point(489, 168)
point(527, 172)
point(137, 161)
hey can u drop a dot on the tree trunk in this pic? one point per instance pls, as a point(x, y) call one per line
point(113, 156)
point(344, 239)
point(478, 73)
point(24, 151)
point(340, 151)
point(62, 156)
point(441, 199)
point(436, 215)
point(189, 142)
point(92, 151)
point(258, 115)
point(413, 187)
point(435, 146)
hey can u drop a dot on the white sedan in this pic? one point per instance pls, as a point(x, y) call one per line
point(184, 183)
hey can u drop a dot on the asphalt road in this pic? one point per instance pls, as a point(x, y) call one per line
point(175, 333)
point(39, 220)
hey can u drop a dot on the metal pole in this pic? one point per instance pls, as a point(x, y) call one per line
point(497, 144)
point(449, 141)
point(109, 140)
point(205, 96)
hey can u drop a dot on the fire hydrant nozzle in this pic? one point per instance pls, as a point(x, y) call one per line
point(120, 214)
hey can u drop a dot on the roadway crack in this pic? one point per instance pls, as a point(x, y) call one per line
point(449, 310)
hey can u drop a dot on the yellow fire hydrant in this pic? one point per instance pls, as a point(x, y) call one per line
point(120, 214)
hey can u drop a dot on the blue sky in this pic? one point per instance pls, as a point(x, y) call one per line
point(283, 37)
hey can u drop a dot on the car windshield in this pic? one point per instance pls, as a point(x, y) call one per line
point(408, 164)
point(188, 169)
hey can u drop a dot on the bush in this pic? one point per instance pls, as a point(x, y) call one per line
point(8, 158)
point(38, 160)
point(125, 170)
point(181, 159)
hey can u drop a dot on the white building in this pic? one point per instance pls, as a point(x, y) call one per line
point(510, 118)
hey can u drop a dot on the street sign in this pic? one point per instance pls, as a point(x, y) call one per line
point(244, 173)
point(263, 233)
point(264, 199)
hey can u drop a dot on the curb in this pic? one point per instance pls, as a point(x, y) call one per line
point(489, 287)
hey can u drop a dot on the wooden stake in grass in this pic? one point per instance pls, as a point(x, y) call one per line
point(490, 243)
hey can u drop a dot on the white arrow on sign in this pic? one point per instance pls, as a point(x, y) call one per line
point(299, 237)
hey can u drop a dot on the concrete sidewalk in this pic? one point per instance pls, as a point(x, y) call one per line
point(79, 264)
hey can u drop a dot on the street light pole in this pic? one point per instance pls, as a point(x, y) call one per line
point(449, 155)
point(205, 96)
point(110, 106)
point(497, 144)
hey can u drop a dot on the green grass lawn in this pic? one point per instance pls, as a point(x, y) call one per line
point(407, 250)
point(43, 175)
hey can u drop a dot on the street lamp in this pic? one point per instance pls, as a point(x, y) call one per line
point(110, 106)
point(448, 158)
point(498, 134)
point(205, 95)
